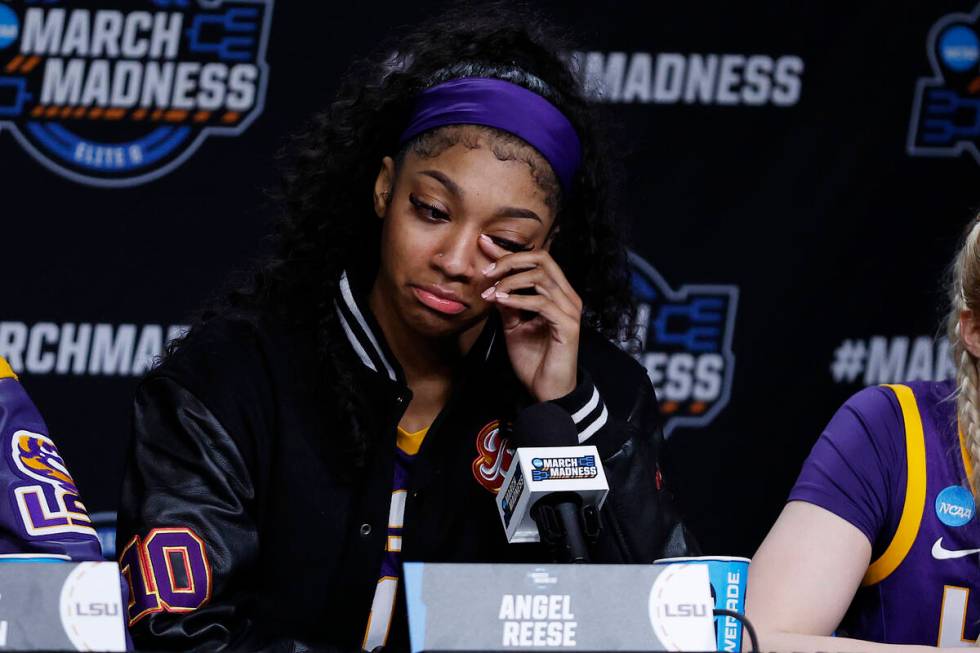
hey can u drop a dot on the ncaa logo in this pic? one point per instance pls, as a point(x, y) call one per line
point(955, 506)
point(685, 344)
point(946, 110)
point(119, 93)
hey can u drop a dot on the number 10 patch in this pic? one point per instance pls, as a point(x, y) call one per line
point(168, 571)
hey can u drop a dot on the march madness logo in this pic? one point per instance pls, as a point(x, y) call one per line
point(946, 111)
point(117, 93)
point(563, 469)
point(684, 340)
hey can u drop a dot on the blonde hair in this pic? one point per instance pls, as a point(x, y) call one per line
point(964, 293)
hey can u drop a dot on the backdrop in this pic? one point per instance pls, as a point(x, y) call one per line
point(795, 176)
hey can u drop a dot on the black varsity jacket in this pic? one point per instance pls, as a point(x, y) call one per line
point(239, 529)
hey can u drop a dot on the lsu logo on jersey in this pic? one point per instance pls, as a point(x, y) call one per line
point(493, 457)
point(684, 340)
point(946, 110)
point(119, 92)
point(46, 498)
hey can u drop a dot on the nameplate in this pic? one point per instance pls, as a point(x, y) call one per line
point(497, 607)
point(61, 606)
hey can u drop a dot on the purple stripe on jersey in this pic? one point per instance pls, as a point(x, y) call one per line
point(391, 564)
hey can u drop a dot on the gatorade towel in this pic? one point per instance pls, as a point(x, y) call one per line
point(729, 578)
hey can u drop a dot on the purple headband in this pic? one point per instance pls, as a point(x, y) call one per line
point(505, 106)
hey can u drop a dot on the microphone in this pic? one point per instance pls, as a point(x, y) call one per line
point(554, 488)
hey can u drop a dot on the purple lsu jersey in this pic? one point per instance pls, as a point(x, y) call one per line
point(901, 476)
point(383, 606)
point(41, 514)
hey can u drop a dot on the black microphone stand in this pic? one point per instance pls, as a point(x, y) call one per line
point(566, 526)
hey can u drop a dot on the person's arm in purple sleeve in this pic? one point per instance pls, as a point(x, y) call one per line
point(808, 569)
point(43, 515)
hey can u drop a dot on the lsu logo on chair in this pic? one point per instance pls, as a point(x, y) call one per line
point(46, 498)
point(684, 340)
point(120, 92)
point(946, 110)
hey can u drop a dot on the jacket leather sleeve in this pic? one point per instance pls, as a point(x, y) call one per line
point(188, 495)
point(188, 532)
point(639, 520)
point(187, 490)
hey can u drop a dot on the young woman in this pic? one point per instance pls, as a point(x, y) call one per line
point(446, 264)
point(880, 538)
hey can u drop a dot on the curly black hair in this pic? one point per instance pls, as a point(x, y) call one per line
point(327, 223)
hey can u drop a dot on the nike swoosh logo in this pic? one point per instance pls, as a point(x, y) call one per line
point(939, 553)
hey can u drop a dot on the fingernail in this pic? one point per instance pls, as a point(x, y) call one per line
point(487, 270)
point(486, 293)
point(485, 238)
point(502, 295)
